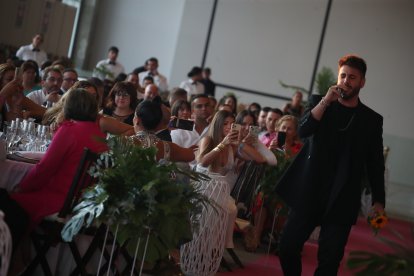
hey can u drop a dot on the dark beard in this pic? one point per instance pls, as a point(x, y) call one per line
point(352, 94)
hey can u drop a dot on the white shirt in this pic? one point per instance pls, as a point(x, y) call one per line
point(159, 80)
point(192, 88)
point(114, 69)
point(187, 138)
point(26, 52)
point(37, 96)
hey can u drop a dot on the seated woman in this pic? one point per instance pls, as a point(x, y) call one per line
point(219, 151)
point(181, 109)
point(292, 146)
point(30, 77)
point(148, 116)
point(42, 192)
point(121, 102)
point(55, 115)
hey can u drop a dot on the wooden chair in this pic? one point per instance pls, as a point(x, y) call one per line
point(48, 233)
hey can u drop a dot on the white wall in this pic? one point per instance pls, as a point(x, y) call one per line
point(140, 29)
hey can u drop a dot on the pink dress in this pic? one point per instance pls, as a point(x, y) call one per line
point(43, 190)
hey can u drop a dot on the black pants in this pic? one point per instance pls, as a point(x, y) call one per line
point(15, 217)
point(332, 241)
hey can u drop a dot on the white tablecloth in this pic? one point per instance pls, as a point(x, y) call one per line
point(12, 172)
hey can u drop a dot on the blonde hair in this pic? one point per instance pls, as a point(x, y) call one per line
point(55, 114)
point(288, 118)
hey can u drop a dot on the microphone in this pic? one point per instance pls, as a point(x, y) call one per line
point(341, 92)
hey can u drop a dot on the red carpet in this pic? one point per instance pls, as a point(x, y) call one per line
point(361, 238)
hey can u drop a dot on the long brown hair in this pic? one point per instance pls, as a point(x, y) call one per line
point(215, 133)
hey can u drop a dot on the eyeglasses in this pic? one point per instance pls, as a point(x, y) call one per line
point(52, 79)
point(70, 80)
point(122, 94)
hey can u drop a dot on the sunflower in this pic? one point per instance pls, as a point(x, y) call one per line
point(377, 221)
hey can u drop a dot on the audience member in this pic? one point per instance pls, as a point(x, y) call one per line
point(193, 85)
point(209, 85)
point(159, 80)
point(13, 104)
point(70, 76)
point(181, 109)
point(151, 91)
point(134, 79)
point(148, 116)
point(30, 76)
point(295, 107)
point(177, 94)
point(230, 100)
point(51, 83)
point(254, 108)
point(109, 68)
point(43, 191)
point(261, 119)
point(32, 51)
point(200, 112)
point(219, 151)
point(100, 89)
point(121, 102)
point(269, 135)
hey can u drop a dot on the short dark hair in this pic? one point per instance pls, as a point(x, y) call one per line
point(31, 64)
point(114, 49)
point(276, 110)
point(148, 78)
point(153, 59)
point(122, 86)
point(80, 105)
point(266, 109)
point(149, 113)
point(207, 70)
point(354, 62)
point(70, 70)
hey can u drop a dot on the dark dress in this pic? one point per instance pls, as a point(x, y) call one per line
point(125, 119)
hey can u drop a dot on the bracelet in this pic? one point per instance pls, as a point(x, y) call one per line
point(323, 103)
point(221, 146)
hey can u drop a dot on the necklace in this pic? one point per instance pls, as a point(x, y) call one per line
point(349, 123)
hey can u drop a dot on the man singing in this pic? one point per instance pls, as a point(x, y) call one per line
point(343, 142)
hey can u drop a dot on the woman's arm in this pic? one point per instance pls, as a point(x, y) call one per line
point(248, 152)
point(113, 126)
point(180, 154)
point(32, 108)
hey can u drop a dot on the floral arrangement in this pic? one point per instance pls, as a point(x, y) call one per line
point(141, 199)
point(377, 221)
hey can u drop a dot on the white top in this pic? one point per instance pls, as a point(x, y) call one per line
point(115, 69)
point(37, 96)
point(187, 138)
point(26, 52)
point(159, 80)
point(192, 88)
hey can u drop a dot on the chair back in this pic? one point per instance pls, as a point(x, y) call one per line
point(81, 180)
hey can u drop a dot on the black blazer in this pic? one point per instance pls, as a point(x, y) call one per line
point(300, 185)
